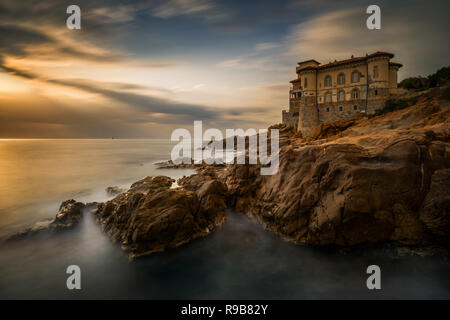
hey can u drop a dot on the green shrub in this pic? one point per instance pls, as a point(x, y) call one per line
point(437, 79)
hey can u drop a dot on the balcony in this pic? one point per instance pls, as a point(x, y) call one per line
point(295, 94)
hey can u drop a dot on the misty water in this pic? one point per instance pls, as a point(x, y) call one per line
point(239, 260)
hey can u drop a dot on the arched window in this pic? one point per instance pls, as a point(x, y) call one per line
point(355, 94)
point(341, 108)
point(328, 97)
point(328, 81)
point(341, 95)
point(375, 71)
point(355, 76)
point(341, 78)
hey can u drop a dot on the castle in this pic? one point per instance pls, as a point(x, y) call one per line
point(340, 89)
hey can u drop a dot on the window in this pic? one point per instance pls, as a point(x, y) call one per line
point(306, 82)
point(328, 109)
point(341, 108)
point(341, 78)
point(328, 97)
point(355, 76)
point(376, 92)
point(327, 81)
point(375, 71)
point(341, 95)
point(355, 107)
point(355, 94)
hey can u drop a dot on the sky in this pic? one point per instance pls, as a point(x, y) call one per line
point(140, 69)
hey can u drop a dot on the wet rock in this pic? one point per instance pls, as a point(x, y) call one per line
point(151, 217)
point(115, 190)
point(69, 215)
point(151, 184)
point(356, 182)
point(435, 213)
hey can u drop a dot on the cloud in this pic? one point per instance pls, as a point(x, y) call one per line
point(110, 15)
point(15, 39)
point(152, 104)
point(63, 118)
point(407, 31)
point(172, 8)
point(208, 10)
point(266, 46)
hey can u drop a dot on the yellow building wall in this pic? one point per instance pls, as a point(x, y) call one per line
point(335, 87)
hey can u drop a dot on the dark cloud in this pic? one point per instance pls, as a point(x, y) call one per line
point(14, 39)
point(152, 104)
point(43, 117)
point(17, 72)
point(143, 102)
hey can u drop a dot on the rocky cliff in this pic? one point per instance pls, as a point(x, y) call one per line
point(357, 181)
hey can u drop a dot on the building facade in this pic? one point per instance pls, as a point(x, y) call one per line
point(340, 89)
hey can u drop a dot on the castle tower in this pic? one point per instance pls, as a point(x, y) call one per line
point(305, 89)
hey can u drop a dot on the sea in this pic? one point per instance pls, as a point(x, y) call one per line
point(239, 260)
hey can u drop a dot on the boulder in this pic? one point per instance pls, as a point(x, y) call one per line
point(69, 215)
point(114, 191)
point(151, 217)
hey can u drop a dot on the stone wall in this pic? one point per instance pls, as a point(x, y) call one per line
point(290, 118)
point(339, 111)
point(308, 119)
point(374, 105)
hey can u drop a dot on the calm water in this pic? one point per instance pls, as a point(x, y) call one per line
point(240, 260)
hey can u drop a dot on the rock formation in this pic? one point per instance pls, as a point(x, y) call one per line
point(68, 216)
point(114, 190)
point(380, 179)
point(151, 217)
point(360, 181)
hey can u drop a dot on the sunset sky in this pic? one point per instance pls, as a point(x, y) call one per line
point(139, 69)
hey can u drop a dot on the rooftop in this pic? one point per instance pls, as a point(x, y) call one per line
point(343, 62)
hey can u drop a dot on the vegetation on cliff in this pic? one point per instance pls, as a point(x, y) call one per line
point(437, 79)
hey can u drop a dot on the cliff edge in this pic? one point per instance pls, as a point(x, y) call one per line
point(359, 181)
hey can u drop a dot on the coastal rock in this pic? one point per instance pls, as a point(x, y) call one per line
point(151, 217)
point(115, 190)
point(151, 184)
point(374, 180)
point(435, 213)
point(69, 215)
